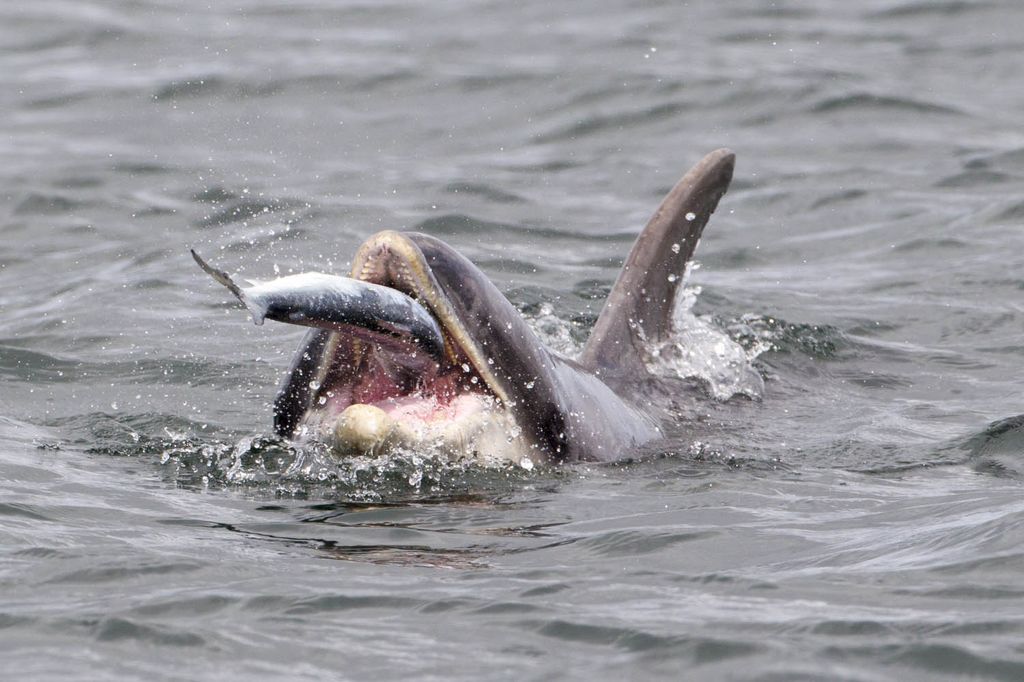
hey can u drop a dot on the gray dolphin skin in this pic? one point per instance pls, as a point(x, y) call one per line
point(446, 361)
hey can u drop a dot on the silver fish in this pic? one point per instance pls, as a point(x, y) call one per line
point(378, 314)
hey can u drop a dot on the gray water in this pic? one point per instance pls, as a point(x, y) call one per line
point(862, 520)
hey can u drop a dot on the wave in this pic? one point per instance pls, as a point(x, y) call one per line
point(870, 102)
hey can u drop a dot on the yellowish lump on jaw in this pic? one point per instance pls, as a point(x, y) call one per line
point(367, 430)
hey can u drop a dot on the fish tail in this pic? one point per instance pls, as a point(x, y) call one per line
point(257, 311)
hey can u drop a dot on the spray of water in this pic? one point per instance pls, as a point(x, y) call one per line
point(700, 350)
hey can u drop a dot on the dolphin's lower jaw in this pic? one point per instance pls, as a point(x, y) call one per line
point(472, 425)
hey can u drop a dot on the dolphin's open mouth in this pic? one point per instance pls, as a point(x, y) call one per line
point(371, 398)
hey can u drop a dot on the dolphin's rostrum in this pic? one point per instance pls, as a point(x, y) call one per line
point(420, 350)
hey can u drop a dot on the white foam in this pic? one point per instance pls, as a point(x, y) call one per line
point(700, 350)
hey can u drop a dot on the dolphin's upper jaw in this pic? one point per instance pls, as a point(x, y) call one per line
point(373, 401)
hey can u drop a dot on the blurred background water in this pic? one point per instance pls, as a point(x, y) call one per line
point(863, 520)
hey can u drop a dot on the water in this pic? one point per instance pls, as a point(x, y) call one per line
point(863, 520)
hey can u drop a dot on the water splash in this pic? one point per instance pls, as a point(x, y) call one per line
point(196, 457)
point(269, 465)
point(760, 333)
point(700, 350)
point(556, 333)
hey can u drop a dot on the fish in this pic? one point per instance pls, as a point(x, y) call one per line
point(418, 351)
point(373, 313)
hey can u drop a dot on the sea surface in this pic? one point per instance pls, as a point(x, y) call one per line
point(844, 498)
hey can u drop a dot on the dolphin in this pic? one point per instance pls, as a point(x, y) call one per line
point(419, 350)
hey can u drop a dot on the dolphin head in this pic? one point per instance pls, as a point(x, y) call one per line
point(493, 390)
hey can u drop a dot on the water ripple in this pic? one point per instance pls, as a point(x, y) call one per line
point(118, 629)
point(880, 104)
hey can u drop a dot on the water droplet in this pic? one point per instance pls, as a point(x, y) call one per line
point(675, 248)
point(526, 463)
point(691, 216)
point(672, 278)
point(465, 367)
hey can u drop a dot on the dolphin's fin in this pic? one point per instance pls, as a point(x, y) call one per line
point(639, 307)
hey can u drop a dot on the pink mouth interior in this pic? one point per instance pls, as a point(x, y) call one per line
point(430, 395)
